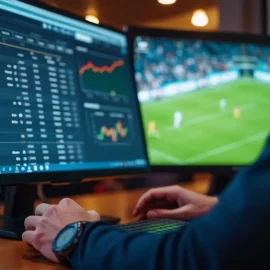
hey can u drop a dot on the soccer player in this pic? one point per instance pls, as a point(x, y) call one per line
point(237, 113)
point(178, 117)
point(152, 129)
point(223, 103)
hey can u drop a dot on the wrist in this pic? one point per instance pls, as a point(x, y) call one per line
point(66, 241)
point(75, 258)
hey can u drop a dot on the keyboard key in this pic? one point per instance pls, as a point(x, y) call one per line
point(152, 226)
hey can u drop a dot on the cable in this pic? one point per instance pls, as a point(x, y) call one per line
point(40, 193)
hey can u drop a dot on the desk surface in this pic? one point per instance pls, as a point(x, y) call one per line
point(16, 255)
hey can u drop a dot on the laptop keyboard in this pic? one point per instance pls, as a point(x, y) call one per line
point(153, 226)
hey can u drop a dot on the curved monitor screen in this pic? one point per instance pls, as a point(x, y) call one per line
point(203, 102)
point(67, 101)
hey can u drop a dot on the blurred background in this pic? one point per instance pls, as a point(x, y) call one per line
point(211, 15)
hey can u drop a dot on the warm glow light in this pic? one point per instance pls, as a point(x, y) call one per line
point(166, 2)
point(92, 19)
point(199, 18)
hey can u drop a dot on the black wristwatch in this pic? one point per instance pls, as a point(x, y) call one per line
point(66, 242)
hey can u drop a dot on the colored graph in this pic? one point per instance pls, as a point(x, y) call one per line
point(96, 69)
point(111, 127)
point(104, 75)
point(114, 133)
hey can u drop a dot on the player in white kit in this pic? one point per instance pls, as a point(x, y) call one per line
point(177, 119)
point(222, 103)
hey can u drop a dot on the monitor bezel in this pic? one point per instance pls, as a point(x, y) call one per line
point(80, 175)
point(135, 31)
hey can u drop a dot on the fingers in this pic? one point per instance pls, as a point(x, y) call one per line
point(154, 204)
point(61, 211)
point(69, 204)
point(162, 213)
point(183, 213)
point(29, 237)
point(94, 216)
point(41, 209)
point(147, 197)
point(168, 193)
point(31, 222)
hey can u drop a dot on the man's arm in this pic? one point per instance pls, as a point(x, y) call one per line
point(235, 234)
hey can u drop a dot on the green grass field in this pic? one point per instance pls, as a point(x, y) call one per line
point(209, 135)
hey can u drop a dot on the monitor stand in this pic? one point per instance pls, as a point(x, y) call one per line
point(18, 204)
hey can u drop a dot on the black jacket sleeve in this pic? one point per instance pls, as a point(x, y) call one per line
point(235, 234)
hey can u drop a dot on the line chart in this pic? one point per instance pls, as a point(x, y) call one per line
point(101, 69)
point(104, 77)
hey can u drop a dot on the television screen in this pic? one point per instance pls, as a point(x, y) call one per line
point(203, 102)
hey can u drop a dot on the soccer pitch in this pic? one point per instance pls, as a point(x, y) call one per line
point(208, 134)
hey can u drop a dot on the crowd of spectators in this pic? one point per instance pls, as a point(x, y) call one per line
point(162, 61)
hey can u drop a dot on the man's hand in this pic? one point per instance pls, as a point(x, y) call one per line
point(173, 202)
point(42, 228)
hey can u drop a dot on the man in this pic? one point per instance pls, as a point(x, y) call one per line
point(229, 232)
point(152, 129)
point(177, 119)
point(236, 113)
point(222, 103)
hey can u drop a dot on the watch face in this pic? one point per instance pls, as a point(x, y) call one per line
point(66, 237)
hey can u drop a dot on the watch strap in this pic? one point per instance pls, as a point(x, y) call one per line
point(64, 255)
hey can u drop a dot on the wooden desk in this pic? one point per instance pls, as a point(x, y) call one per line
point(16, 255)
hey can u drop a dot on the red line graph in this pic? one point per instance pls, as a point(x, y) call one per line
point(108, 69)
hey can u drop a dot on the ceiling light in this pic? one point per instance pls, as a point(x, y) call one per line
point(166, 2)
point(199, 18)
point(92, 19)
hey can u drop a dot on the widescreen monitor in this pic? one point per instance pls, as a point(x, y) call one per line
point(204, 97)
point(68, 106)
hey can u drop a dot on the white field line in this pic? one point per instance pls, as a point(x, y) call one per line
point(170, 158)
point(227, 147)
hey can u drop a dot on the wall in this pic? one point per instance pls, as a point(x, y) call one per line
point(240, 16)
point(268, 19)
point(182, 21)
